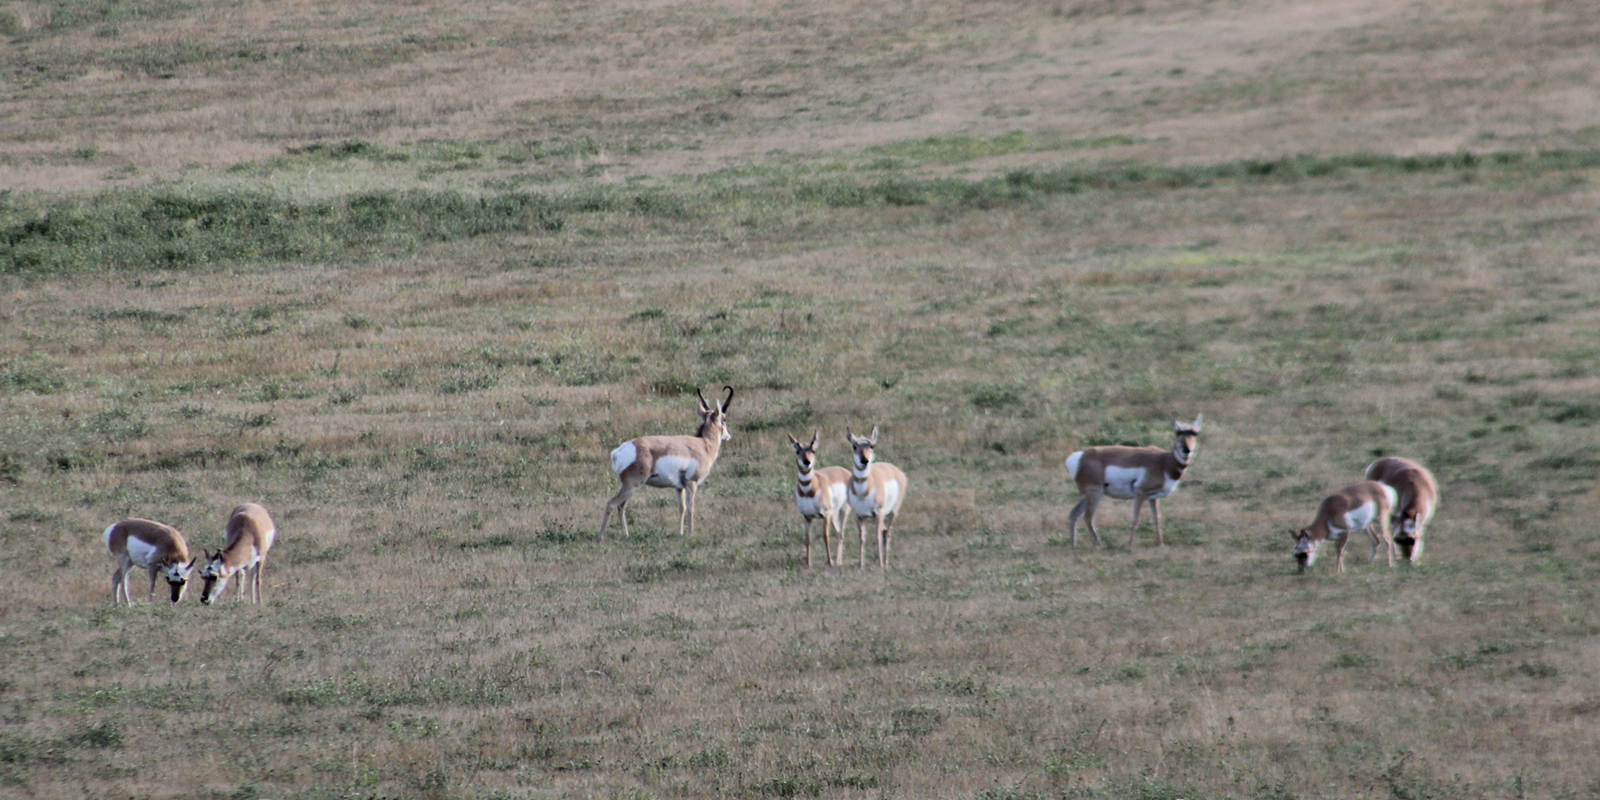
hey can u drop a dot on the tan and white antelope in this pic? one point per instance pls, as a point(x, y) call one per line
point(1359, 507)
point(1419, 496)
point(674, 462)
point(820, 493)
point(250, 534)
point(158, 548)
point(875, 491)
point(1139, 474)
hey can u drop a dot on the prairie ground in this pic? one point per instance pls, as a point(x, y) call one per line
point(406, 273)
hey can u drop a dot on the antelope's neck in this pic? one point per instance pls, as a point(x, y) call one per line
point(241, 552)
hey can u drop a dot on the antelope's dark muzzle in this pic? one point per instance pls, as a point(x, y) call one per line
point(205, 591)
point(1407, 545)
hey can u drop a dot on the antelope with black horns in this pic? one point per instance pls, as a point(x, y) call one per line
point(673, 462)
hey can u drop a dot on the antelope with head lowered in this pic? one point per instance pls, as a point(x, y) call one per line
point(250, 534)
point(1418, 497)
point(820, 493)
point(158, 548)
point(674, 462)
point(1139, 474)
point(875, 491)
point(1354, 508)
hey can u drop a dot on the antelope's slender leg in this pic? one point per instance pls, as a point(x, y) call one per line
point(1155, 511)
point(1092, 503)
point(840, 530)
point(1133, 534)
point(619, 501)
point(1072, 520)
point(689, 491)
point(888, 536)
point(808, 540)
point(861, 531)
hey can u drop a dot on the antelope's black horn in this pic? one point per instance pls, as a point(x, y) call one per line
point(729, 401)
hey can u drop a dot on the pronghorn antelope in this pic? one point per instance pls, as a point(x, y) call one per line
point(1354, 508)
point(677, 462)
point(1419, 496)
point(158, 548)
point(1130, 473)
point(250, 534)
point(820, 493)
point(875, 490)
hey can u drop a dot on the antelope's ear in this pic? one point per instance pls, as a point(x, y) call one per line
point(1293, 535)
point(794, 441)
point(814, 435)
point(873, 439)
point(1199, 420)
point(848, 436)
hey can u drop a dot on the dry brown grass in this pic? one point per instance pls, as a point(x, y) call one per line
point(429, 425)
point(686, 90)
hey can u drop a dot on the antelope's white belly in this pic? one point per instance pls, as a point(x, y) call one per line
point(674, 472)
point(1122, 482)
point(140, 552)
point(1355, 519)
point(1072, 464)
point(866, 505)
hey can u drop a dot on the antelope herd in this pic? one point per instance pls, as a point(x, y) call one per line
point(1396, 491)
point(1392, 506)
point(162, 551)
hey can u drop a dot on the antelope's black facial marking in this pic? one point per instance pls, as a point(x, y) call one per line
point(1305, 550)
point(1406, 544)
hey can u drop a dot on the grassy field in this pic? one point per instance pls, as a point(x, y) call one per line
point(405, 273)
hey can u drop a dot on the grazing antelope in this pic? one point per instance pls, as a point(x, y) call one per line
point(676, 462)
point(1131, 473)
point(820, 493)
point(158, 548)
point(1419, 496)
point(1354, 508)
point(250, 534)
point(875, 490)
